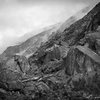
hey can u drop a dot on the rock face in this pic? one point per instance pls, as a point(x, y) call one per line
point(66, 67)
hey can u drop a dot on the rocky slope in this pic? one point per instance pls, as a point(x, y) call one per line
point(66, 67)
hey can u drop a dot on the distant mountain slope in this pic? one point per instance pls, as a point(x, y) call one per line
point(29, 46)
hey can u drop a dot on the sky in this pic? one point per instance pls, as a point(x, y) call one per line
point(20, 17)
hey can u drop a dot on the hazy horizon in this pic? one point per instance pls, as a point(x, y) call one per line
point(18, 17)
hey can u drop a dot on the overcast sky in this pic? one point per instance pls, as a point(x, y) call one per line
point(18, 17)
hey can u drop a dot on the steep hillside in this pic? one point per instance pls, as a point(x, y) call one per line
point(65, 67)
point(74, 56)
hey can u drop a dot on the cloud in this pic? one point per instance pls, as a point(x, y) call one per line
point(55, 1)
point(20, 20)
point(37, 2)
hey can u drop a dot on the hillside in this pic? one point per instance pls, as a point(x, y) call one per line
point(65, 67)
